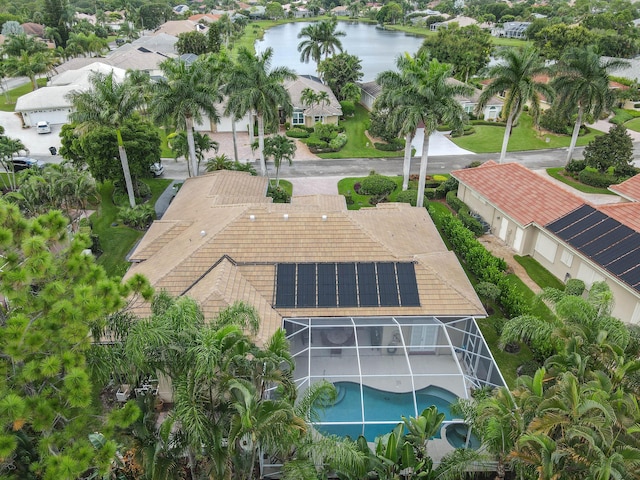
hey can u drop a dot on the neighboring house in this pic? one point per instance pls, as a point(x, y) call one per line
point(461, 21)
point(176, 27)
point(296, 11)
point(257, 12)
point(180, 9)
point(368, 298)
point(204, 17)
point(49, 104)
point(340, 10)
point(309, 115)
point(512, 30)
point(569, 237)
point(371, 90)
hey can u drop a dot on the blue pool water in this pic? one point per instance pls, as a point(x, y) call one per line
point(379, 406)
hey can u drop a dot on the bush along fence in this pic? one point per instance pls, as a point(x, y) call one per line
point(482, 264)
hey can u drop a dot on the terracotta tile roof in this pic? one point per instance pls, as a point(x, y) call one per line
point(220, 252)
point(629, 189)
point(626, 213)
point(519, 192)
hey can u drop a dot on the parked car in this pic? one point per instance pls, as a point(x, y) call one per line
point(22, 163)
point(43, 127)
point(157, 169)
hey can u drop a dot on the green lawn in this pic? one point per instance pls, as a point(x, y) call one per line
point(633, 124)
point(543, 277)
point(424, 32)
point(488, 139)
point(345, 186)
point(117, 240)
point(556, 173)
point(14, 93)
point(358, 145)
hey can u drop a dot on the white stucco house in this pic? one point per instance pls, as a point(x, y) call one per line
point(50, 103)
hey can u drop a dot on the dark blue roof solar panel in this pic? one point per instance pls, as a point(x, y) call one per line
point(367, 288)
point(388, 285)
point(306, 285)
point(407, 285)
point(580, 226)
point(569, 218)
point(608, 240)
point(632, 277)
point(347, 291)
point(594, 234)
point(327, 292)
point(286, 285)
point(629, 244)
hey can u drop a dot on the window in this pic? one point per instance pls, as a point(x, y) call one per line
point(298, 117)
point(588, 275)
point(318, 118)
point(567, 258)
point(546, 247)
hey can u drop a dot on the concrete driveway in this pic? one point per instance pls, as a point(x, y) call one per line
point(36, 143)
point(439, 145)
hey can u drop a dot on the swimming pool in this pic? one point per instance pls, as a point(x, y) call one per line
point(382, 410)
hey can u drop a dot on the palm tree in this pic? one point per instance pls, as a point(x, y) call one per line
point(31, 65)
point(8, 148)
point(427, 96)
point(255, 87)
point(183, 95)
point(310, 48)
point(516, 76)
point(107, 103)
point(329, 41)
point(582, 81)
point(279, 148)
point(180, 146)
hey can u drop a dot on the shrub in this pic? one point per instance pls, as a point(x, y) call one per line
point(325, 131)
point(338, 142)
point(348, 108)
point(137, 217)
point(376, 199)
point(315, 144)
point(529, 368)
point(474, 164)
point(596, 179)
point(377, 185)
point(440, 178)
point(430, 193)
point(453, 200)
point(297, 133)
point(512, 302)
point(278, 194)
point(471, 223)
point(575, 166)
point(574, 286)
point(488, 290)
point(555, 121)
point(449, 184)
point(441, 191)
point(488, 122)
point(407, 196)
point(394, 145)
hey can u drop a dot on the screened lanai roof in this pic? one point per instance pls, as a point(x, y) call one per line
point(387, 367)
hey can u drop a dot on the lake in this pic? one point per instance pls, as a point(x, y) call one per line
point(377, 48)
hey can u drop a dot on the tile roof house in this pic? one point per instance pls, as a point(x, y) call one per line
point(309, 115)
point(569, 237)
point(342, 283)
point(629, 189)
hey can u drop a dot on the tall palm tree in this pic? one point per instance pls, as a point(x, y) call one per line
point(428, 97)
point(310, 48)
point(31, 65)
point(107, 103)
point(181, 97)
point(255, 86)
point(582, 81)
point(329, 41)
point(516, 75)
point(279, 148)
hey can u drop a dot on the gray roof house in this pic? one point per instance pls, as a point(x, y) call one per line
point(309, 115)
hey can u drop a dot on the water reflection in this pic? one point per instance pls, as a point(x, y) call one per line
point(376, 48)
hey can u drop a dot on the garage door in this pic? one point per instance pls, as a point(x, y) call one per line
point(54, 117)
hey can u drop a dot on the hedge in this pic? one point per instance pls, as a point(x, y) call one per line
point(377, 185)
point(488, 122)
point(338, 142)
point(596, 179)
point(471, 223)
point(395, 145)
point(453, 200)
point(407, 196)
point(348, 108)
point(297, 133)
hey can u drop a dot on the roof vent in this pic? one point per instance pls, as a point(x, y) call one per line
point(285, 217)
point(324, 218)
point(203, 233)
point(252, 218)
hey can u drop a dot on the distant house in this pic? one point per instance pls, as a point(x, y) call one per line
point(568, 236)
point(180, 9)
point(176, 27)
point(340, 10)
point(461, 21)
point(50, 103)
point(512, 30)
point(309, 115)
point(371, 90)
point(257, 11)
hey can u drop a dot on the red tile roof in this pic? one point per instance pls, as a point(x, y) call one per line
point(520, 193)
point(629, 188)
point(626, 213)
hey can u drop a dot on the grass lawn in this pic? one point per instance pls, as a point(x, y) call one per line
point(424, 32)
point(538, 273)
point(633, 124)
point(165, 151)
point(116, 241)
point(556, 173)
point(14, 93)
point(345, 186)
point(286, 185)
point(358, 145)
point(488, 139)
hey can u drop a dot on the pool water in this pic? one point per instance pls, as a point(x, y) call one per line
point(384, 408)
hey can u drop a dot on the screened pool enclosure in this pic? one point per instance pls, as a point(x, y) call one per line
point(387, 367)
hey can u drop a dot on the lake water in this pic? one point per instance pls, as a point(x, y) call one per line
point(378, 49)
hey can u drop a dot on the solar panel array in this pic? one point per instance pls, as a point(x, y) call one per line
point(365, 284)
point(606, 241)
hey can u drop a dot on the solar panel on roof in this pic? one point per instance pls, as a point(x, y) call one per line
point(286, 285)
point(387, 285)
point(594, 233)
point(407, 285)
point(569, 218)
point(327, 292)
point(615, 235)
point(627, 245)
point(347, 292)
point(367, 288)
point(306, 285)
point(632, 277)
point(589, 222)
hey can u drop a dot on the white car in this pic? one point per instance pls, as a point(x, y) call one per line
point(43, 127)
point(157, 169)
